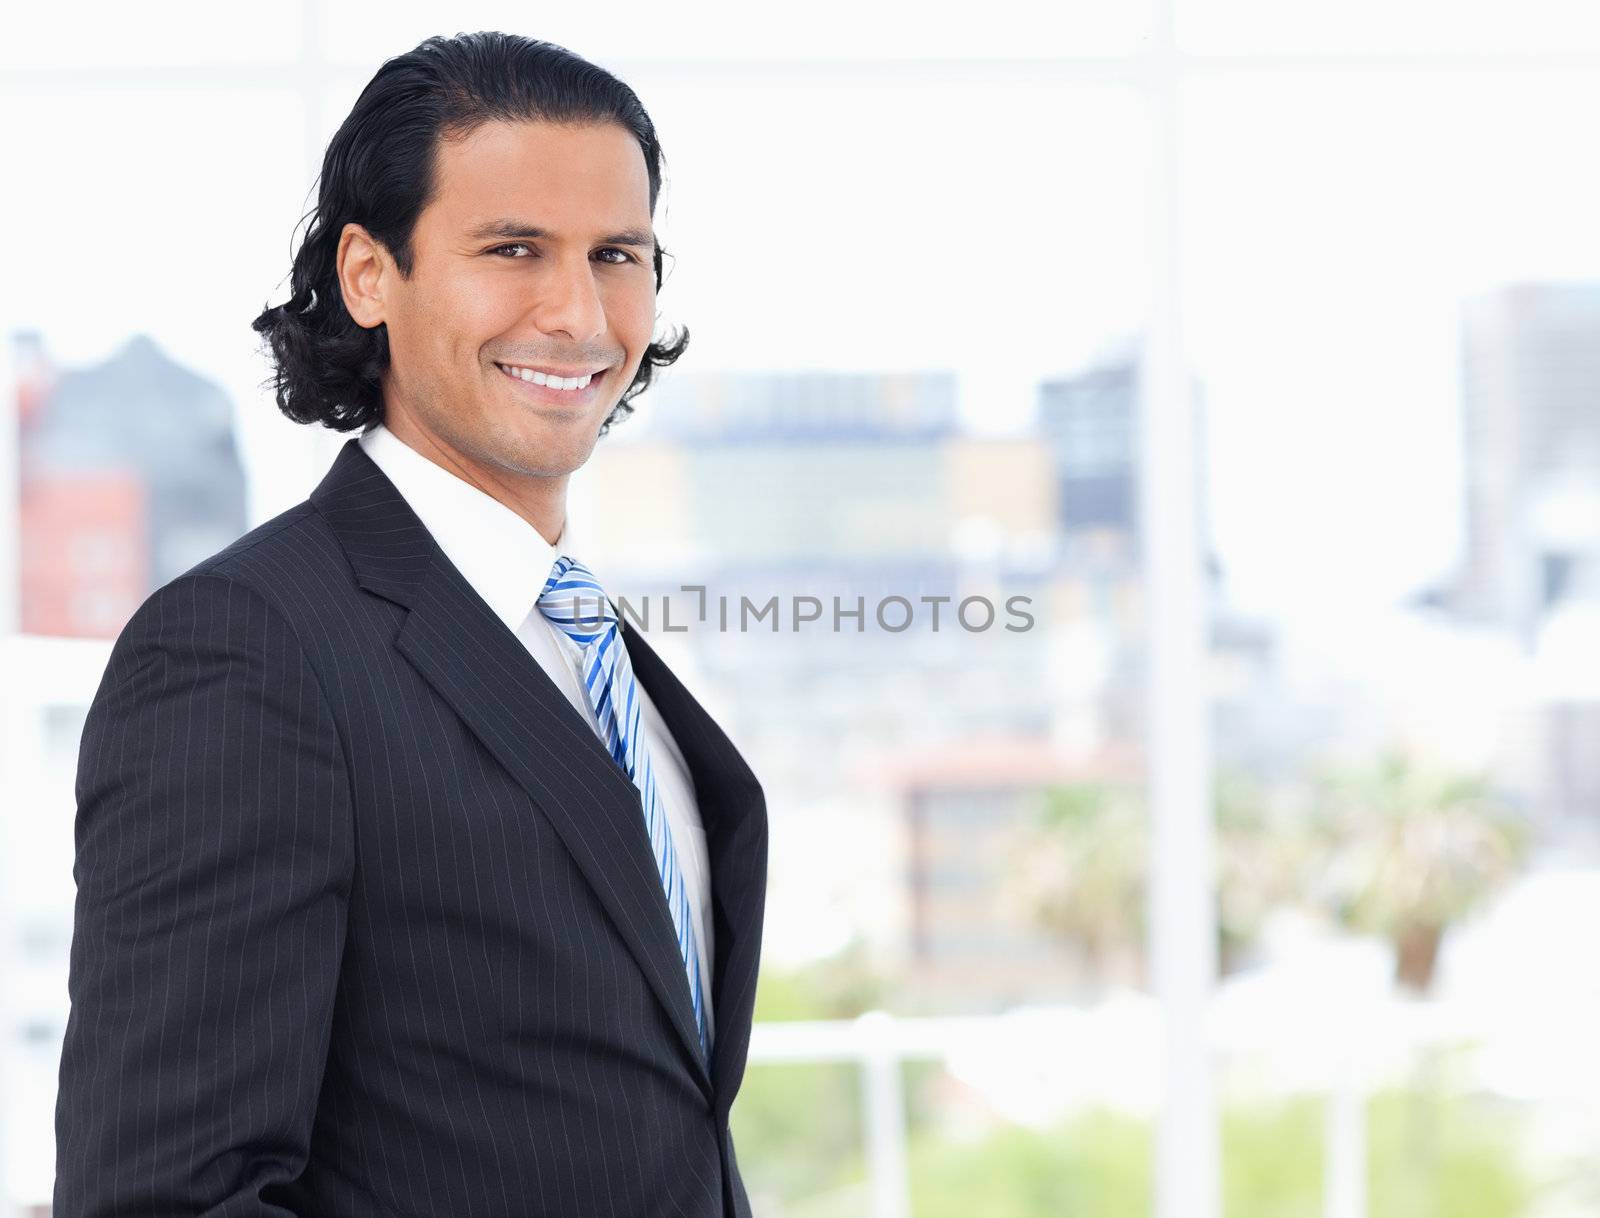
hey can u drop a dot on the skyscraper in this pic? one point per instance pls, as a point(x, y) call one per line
point(1530, 389)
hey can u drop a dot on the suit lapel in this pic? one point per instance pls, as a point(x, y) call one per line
point(483, 671)
point(733, 811)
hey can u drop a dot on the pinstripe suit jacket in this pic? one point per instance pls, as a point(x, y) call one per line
point(367, 921)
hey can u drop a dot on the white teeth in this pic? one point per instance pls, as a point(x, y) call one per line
point(552, 382)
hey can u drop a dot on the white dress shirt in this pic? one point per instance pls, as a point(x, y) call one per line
point(507, 562)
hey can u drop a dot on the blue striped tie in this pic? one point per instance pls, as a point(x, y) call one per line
point(573, 600)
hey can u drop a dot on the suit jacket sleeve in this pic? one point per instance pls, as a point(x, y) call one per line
point(214, 857)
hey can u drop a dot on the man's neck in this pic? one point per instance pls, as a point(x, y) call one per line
point(542, 502)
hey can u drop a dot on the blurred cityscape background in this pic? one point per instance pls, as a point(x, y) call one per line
point(918, 269)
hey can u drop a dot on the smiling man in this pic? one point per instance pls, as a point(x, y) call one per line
point(527, 310)
point(409, 880)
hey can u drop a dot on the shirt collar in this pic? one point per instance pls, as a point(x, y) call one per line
point(503, 557)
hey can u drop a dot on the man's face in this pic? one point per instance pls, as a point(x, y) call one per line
point(536, 252)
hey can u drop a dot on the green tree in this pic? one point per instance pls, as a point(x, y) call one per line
point(797, 1126)
point(1411, 848)
point(1430, 1154)
point(1080, 870)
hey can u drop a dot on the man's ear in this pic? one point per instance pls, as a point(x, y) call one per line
point(363, 265)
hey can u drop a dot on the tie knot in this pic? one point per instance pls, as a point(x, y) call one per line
point(573, 600)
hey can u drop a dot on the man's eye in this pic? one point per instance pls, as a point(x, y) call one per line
point(622, 255)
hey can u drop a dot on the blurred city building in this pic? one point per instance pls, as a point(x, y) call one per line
point(1530, 409)
point(968, 809)
point(857, 489)
point(1530, 402)
point(128, 476)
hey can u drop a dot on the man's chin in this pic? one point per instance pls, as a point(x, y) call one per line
point(551, 448)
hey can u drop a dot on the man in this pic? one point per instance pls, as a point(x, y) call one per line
point(409, 882)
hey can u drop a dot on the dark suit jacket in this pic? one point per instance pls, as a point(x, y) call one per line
point(367, 919)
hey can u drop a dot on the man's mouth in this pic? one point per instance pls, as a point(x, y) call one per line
point(560, 384)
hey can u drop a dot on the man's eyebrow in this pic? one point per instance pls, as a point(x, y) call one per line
point(521, 230)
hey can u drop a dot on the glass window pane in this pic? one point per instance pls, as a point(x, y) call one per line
point(1393, 305)
point(181, 33)
point(130, 286)
point(1335, 227)
point(1386, 26)
point(833, 30)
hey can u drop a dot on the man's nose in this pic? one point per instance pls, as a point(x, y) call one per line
point(569, 304)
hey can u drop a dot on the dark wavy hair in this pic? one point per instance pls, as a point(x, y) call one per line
point(378, 172)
